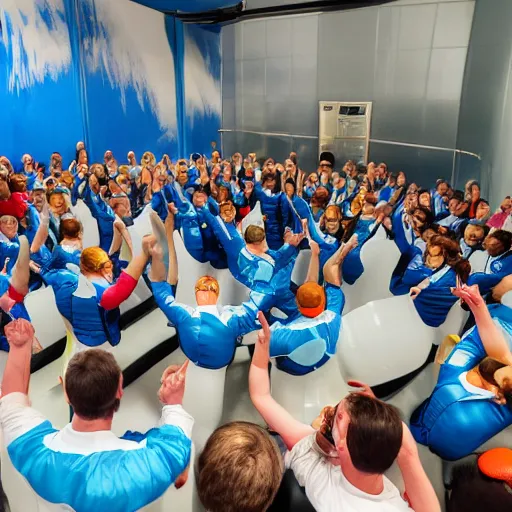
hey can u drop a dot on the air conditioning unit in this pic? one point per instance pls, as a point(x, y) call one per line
point(345, 129)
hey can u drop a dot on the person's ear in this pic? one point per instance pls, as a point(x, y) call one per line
point(119, 393)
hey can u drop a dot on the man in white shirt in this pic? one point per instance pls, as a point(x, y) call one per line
point(85, 467)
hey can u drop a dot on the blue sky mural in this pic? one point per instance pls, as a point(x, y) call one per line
point(122, 79)
point(202, 94)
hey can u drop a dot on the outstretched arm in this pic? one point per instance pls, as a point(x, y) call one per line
point(492, 337)
point(332, 270)
point(21, 271)
point(172, 276)
point(277, 418)
point(314, 262)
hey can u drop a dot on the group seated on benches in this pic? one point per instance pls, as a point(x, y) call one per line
point(112, 239)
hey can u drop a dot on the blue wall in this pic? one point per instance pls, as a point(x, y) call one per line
point(108, 74)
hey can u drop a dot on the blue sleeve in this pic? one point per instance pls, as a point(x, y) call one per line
point(284, 255)
point(466, 354)
point(335, 298)
point(96, 211)
point(230, 241)
point(74, 192)
point(159, 206)
point(244, 317)
point(164, 296)
point(485, 281)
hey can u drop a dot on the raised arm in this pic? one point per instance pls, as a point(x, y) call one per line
point(314, 262)
point(172, 275)
point(277, 418)
point(332, 267)
point(492, 337)
point(20, 335)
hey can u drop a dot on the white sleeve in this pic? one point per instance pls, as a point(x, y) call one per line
point(177, 416)
point(303, 459)
point(17, 417)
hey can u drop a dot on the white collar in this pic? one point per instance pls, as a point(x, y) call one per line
point(478, 393)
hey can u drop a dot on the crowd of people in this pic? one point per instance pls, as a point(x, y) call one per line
point(252, 217)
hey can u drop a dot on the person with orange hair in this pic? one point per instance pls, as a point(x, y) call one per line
point(89, 301)
point(309, 341)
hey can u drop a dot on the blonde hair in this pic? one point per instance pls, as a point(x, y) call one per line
point(207, 284)
point(93, 259)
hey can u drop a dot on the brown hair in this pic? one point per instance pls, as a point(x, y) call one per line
point(452, 255)
point(91, 384)
point(320, 197)
point(254, 235)
point(70, 228)
point(239, 470)
point(374, 435)
point(5, 192)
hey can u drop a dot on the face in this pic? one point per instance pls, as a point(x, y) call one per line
point(475, 192)
point(9, 227)
point(131, 157)
point(325, 166)
point(226, 173)
point(428, 234)
point(108, 156)
point(411, 202)
point(99, 171)
point(482, 210)
point(249, 187)
point(424, 200)
point(223, 194)
point(400, 180)
point(453, 205)
point(114, 187)
point(94, 184)
point(58, 204)
point(473, 235)
point(314, 178)
point(38, 199)
point(82, 157)
point(270, 184)
point(332, 222)
point(215, 156)
point(506, 205)
point(228, 213)
point(56, 160)
point(442, 189)
point(289, 189)
point(368, 208)
point(199, 199)
point(493, 246)
point(270, 165)
point(27, 160)
point(434, 256)
point(289, 167)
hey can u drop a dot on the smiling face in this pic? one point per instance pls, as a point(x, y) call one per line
point(199, 199)
point(442, 189)
point(493, 246)
point(434, 257)
point(424, 200)
point(227, 212)
point(482, 210)
point(474, 235)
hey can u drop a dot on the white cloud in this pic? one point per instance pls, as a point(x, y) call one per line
point(39, 51)
point(202, 90)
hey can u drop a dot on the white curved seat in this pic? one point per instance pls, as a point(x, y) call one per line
point(383, 340)
point(204, 400)
point(300, 269)
point(379, 258)
point(45, 316)
point(91, 235)
point(478, 260)
point(306, 395)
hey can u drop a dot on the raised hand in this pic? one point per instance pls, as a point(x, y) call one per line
point(470, 295)
point(363, 388)
point(19, 332)
point(315, 248)
point(262, 349)
point(173, 384)
point(414, 292)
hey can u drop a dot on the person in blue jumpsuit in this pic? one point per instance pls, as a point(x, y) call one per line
point(309, 341)
point(209, 333)
point(272, 206)
point(499, 261)
point(443, 268)
point(253, 264)
point(472, 400)
point(198, 236)
point(90, 300)
point(364, 225)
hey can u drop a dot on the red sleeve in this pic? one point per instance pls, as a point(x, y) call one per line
point(15, 206)
point(15, 295)
point(118, 292)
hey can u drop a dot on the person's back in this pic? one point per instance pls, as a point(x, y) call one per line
point(85, 466)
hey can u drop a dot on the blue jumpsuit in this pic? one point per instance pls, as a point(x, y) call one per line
point(352, 267)
point(272, 207)
point(271, 278)
point(208, 334)
point(79, 302)
point(305, 344)
point(495, 270)
point(458, 417)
